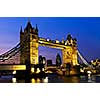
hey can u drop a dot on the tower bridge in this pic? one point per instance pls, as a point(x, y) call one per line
point(27, 48)
point(30, 54)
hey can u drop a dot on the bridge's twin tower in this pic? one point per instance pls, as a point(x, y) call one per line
point(29, 45)
point(30, 41)
point(69, 52)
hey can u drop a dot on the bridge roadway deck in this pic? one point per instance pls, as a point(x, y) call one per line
point(12, 67)
point(18, 67)
point(52, 45)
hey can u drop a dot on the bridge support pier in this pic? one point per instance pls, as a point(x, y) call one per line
point(28, 70)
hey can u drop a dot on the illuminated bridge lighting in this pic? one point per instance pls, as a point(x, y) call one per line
point(32, 70)
point(13, 67)
point(51, 44)
point(38, 70)
point(14, 72)
point(33, 80)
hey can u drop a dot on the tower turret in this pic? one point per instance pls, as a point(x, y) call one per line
point(69, 40)
point(62, 41)
point(69, 37)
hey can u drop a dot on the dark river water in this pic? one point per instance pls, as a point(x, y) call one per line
point(53, 78)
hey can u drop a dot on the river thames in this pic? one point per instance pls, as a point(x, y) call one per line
point(53, 78)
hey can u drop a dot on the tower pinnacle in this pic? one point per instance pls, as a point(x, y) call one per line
point(21, 30)
point(36, 28)
point(29, 26)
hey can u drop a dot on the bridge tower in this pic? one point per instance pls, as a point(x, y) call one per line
point(69, 53)
point(29, 44)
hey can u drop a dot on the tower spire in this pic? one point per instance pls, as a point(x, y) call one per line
point(29, 20)
point(21, 30)
point(36, 28)
point(29, 26)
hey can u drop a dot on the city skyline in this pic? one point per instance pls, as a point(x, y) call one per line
point(85, 30)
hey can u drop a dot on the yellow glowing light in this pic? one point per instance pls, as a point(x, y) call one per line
point(14, 80)
point(38, 70)
point(74, 63)
point(19, 67)
point(57, 41)
point(47, 39)
point(41, 42)
point(14, 72)
point(33, 80)
point(42, 69)
point(81, 70)
point(89, 72)
point(13, 67)
point(38, 80)
point(46, 80)
point(91, 61)
point(89, 75)
point(32, 70)
point(65, 43)
point(48, 72)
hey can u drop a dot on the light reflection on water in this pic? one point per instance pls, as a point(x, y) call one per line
point(72, 79)
point(39, 80)
point(14, 80)
point(54, 79)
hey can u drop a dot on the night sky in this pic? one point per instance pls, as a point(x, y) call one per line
point(86, 30)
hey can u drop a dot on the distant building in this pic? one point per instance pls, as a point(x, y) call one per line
point(95, 62)
point(42, 60)
point(58, 60)
point(49, 62)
